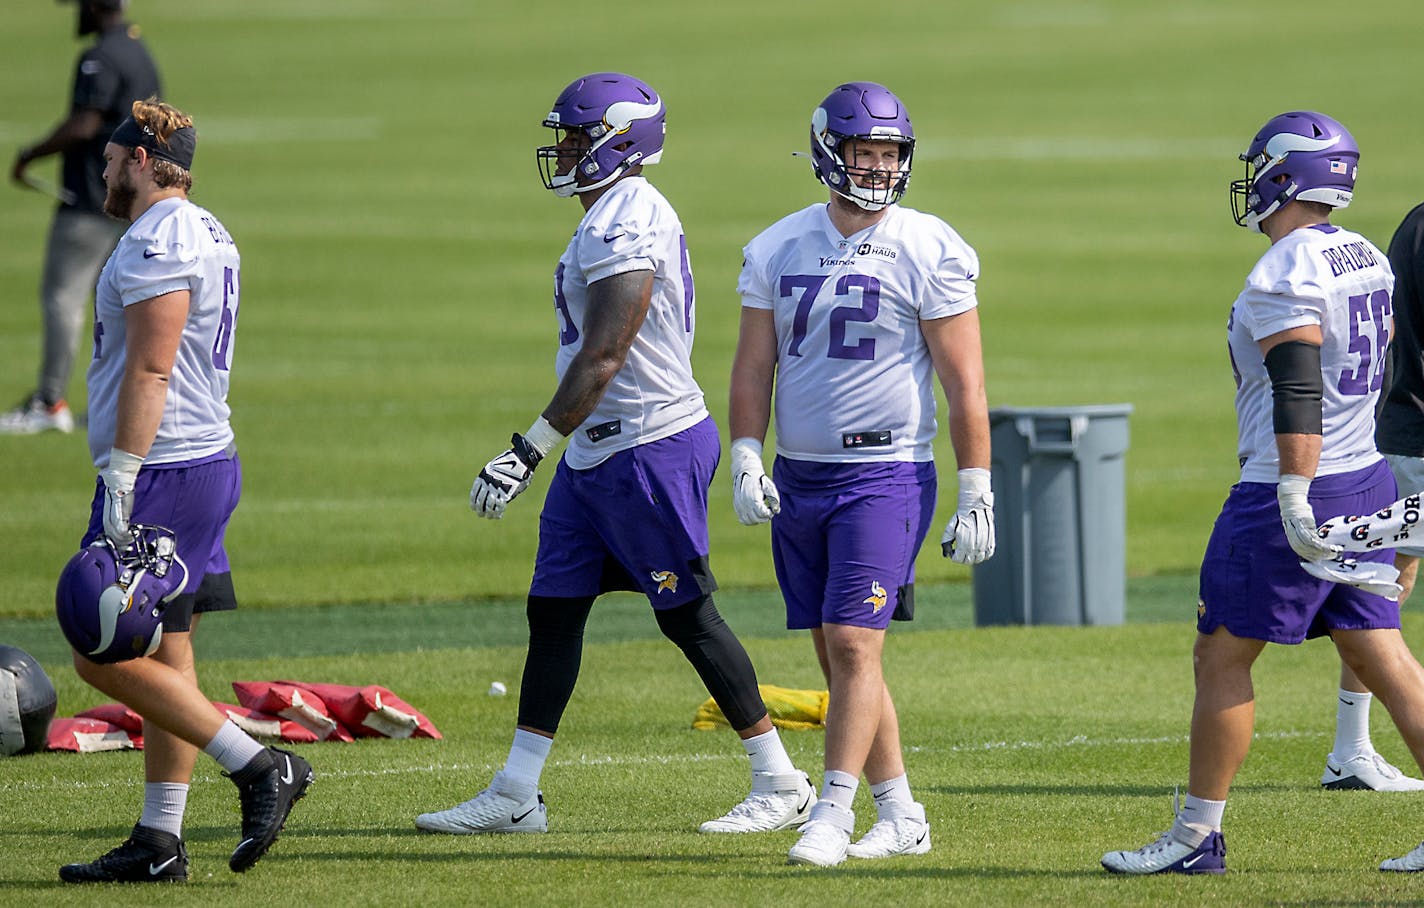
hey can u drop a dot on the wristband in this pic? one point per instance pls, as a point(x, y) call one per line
point(974, 479)
point(122, 463)
point(543, 437)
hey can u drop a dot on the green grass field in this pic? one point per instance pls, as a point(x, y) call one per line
point(374, 160)
point(1034, 750)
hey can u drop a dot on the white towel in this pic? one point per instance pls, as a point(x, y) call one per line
point(1370, 576)
point(1386, 528)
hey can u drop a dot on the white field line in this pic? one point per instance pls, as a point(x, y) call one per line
point(55, 784)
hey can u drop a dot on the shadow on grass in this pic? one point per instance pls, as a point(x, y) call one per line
point(370, 628)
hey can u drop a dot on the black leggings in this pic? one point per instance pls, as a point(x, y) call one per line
point(556, 651)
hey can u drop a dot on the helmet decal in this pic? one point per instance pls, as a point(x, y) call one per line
point(867, 112)
point(1297, 156)
point(623, 119)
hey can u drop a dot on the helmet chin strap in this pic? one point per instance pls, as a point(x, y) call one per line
point(869, 204)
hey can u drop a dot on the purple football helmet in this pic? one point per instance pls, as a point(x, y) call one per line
point(110, 602)
point(623, 119)
point(1298, 156)
point(867, 112)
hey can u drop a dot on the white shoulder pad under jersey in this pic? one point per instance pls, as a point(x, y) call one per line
point(174, 245)
point(632, 228)
point(1338, 280)
point(854, 379)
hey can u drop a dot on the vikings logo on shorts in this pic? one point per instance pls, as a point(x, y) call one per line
point(1201, 609)
point(667, 580)
point(876, 600)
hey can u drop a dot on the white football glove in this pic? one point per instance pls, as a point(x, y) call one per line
point(754, 495)
point(1299, 520)
point(507, 475)
point(969, 536)
point(119, 478)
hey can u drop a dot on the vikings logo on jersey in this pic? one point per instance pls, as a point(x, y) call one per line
point(876, 599)
point(667, 580)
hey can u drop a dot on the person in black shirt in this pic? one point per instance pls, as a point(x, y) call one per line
point(1399, 431)
point(111, 74)
point(1399, 435)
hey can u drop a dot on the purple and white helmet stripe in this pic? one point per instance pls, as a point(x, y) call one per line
point(623, 116)
point(1297, 156)
point(869, 112)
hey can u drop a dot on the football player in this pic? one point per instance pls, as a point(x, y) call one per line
point(627, 508)
point(850, 308)
point(164, 324)
point(1307, 338)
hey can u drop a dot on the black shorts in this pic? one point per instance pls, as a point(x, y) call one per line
point(214, 594)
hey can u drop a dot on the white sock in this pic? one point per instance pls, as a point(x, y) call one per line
point(768, 753)
point(525, 764)
point(896, 789)
point(1352, 724)
point(163, 806)
point(839, 788)
point(1198, 819)
point(232, 747)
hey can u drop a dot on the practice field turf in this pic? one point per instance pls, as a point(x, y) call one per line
point(374, 160)
point(1033, 750)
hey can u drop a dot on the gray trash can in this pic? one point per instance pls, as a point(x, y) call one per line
point(1059, 514)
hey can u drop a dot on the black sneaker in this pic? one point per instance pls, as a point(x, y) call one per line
point(146, 856)
point(268, 786)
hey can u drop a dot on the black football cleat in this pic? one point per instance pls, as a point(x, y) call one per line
point(146, 856)
point(267, 787)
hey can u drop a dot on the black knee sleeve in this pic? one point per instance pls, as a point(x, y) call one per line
point(719, 657)
point(551, 666)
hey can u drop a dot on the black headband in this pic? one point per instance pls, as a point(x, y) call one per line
point(179, 148)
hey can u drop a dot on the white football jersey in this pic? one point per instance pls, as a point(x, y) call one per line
point(1321, 275)
point(174, 245)
point(632, 228)
point(854, 380)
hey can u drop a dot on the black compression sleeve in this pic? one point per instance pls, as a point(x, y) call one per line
point(1297, 388)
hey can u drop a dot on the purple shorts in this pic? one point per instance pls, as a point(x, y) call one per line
point(845, 542)
point(1252, 582)
point(194, 499)
point(637, 521)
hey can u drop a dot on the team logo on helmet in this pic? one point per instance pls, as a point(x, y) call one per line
point(865, 112)
point(110, 601)
point(624, 120)
point(1301, 156)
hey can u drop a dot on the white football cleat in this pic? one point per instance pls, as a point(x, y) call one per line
point(1167, 855)
point(901, 829)
point(1366, 771)
point(34, 416)
point(1410, 863)
point(489, 811)
point(779, 800)
point(825, 836)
